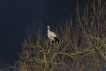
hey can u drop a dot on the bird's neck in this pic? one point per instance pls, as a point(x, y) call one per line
point(48, 30)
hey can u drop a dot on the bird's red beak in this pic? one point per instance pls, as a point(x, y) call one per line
point(47, 28)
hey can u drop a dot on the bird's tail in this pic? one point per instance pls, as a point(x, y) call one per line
point(56, 39)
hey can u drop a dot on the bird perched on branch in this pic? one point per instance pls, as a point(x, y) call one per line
point(52, 36)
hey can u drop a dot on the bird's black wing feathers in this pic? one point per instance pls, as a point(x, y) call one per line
point(56, 39)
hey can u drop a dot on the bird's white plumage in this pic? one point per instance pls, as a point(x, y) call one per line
point(50, 34)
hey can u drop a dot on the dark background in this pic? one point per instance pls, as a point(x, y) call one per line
point(17, 15)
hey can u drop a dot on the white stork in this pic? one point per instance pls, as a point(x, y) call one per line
point(52, 36)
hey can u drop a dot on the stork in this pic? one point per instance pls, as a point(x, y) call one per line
point(52, 36)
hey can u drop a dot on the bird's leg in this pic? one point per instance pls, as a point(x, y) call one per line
point(54, 43)
point(51, 43)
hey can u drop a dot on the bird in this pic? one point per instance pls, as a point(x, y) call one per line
point(52, 36)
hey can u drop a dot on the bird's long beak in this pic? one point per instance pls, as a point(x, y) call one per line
point(47, 28)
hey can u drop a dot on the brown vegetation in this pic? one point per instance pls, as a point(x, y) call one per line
point(82, 44)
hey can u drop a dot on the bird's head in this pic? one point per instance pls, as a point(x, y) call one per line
point(48, 27)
